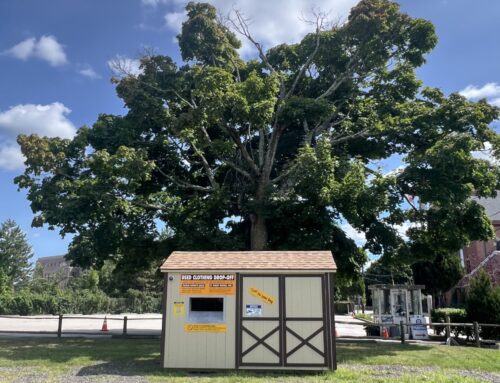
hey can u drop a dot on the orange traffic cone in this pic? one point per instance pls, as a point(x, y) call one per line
point(105, 324)
point(385, 333)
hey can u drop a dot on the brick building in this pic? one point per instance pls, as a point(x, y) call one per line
point(479, 255)
point(57, 265)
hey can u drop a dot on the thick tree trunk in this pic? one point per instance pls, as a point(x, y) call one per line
point(258, 232)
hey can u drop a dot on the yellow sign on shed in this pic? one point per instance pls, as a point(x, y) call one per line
point(179, 309)
point(261, 295)
point(195, 327)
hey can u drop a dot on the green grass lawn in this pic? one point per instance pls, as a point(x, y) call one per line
point(137, 360)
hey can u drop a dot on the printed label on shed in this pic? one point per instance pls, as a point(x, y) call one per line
point(208, 284)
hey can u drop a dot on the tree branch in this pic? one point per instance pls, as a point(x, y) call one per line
point(206, 165)
point(183, 184)
point(238, 169)
point(241, 26)
point(244, 152)
point(320, 19)
point(341, 78)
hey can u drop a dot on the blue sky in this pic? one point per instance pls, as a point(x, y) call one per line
point(55, 54)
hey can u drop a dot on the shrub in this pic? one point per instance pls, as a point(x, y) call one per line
point(483, 304)
point(5, 303)
point(456, 316)
point(21, 305)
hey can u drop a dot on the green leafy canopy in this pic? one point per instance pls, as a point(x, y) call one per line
point(273, 152)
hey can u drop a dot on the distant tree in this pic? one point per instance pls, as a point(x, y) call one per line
point(388, 273)
point(5, 283)
point(483, 303)
point(440, 274)
point(15, 252)
point(274, 152)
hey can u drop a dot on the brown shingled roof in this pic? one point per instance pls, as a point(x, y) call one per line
point(250, 260)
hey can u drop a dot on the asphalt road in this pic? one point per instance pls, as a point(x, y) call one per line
point(137, 324)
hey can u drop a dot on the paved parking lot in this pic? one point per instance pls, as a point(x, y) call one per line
point(137, 324)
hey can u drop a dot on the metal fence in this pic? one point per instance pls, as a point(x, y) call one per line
point(60, 318)
point(123, 330)
point(447, 326)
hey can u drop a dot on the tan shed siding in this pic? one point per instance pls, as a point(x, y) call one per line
point(261, 354)
point(303, 297)
point(197, 349)
point(305, 354)
point(268, 285)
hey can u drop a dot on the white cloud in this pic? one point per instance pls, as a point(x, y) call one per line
point(489, 91)
point(403, 228)
point(47, 48)
point(174, 20)
point(121, 65)
point(23, 50)
point(355, 235)
point(50, 50)
point(11, 157)
point(45, 120)
point(495, 102)
point(89, 72)
point(486, 91)
point(152, 3)
point(271, 22)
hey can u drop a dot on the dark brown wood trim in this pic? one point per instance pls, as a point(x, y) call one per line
point(327, 320)
point(248, 364)
point(241, 328)
point(163, 321)
point(239, 315)
point(303, 275)
point(333, 337)
point(237, 322)
point(324, 296)
point(305, 365)
point(260, 341)
point(303, 319)
point(282, 313)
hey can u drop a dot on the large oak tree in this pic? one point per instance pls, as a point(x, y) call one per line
point(275, 152)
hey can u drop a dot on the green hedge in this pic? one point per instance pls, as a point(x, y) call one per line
point(78, 302)
point(456, 316)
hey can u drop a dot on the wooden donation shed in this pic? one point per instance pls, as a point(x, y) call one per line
point(248, 310)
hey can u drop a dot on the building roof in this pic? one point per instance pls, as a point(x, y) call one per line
point(491, 205)
point(400, 287)
point(51, 258)
point(250, 260)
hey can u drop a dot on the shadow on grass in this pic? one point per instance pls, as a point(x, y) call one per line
point(139, 357)
point(366, 351)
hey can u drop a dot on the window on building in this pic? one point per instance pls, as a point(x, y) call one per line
point(386, 302)
point(206, 310)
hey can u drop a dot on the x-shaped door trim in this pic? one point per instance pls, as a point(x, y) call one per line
point(305, 341)
point(260, 341)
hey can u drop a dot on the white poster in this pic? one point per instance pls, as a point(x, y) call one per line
point(253, 310)
point(418, 326)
